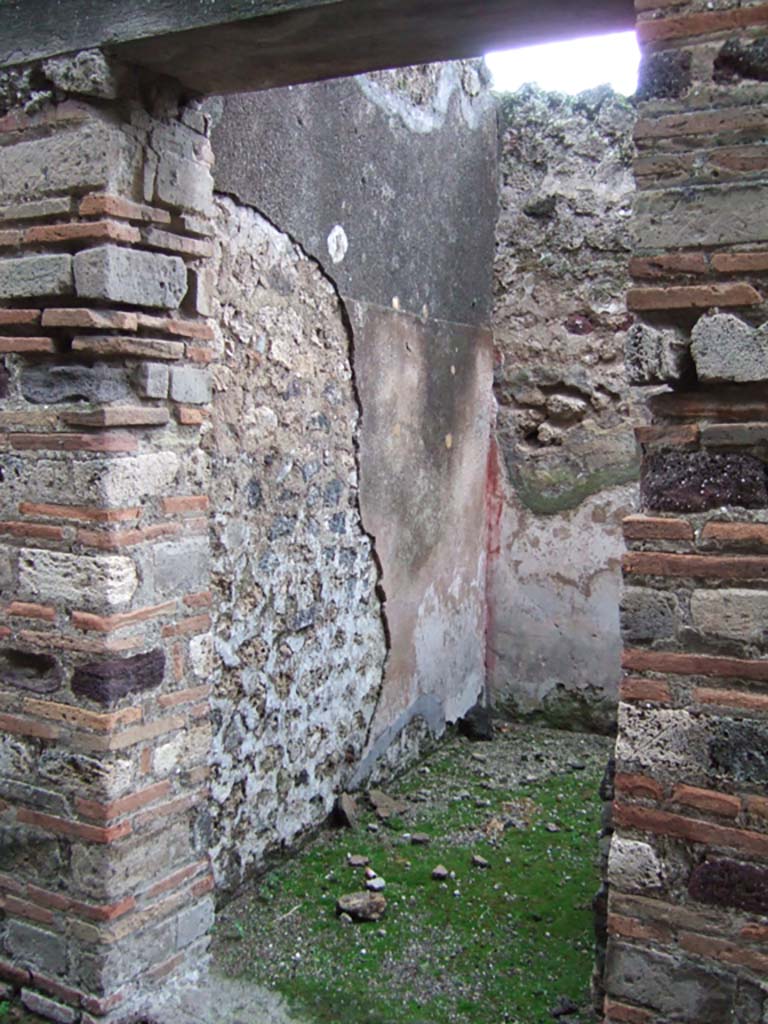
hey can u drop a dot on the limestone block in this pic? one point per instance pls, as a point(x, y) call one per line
point(699, 216)
point(31, 276)
point(46, 384)
point(181, 567)
point(662, 742)
point(184, 183)
point(86, 73)
point(190, 385)
point(113, 274)
point(724, 348)
point(80, 581)
point(93, 156)
point(647, 614)
point(126, 480)
point(33, 945)
point(735, 614)
point(194, 922)
point(654, 356)
point(152, 380)
point(633, 866)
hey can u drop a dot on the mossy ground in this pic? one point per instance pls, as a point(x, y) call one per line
point(498, 945)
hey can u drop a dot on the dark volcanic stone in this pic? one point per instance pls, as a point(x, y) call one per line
point(736, 60)
point(4, 380)
point(45, 384)
point(729, 883)
point(107, 681)
point(697, 481)
point(39, 673)
point(477, 724)
point(739, 750)
point(664, 75)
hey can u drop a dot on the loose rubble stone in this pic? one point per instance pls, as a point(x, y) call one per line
point(440, 873)
point(480, 862)
point(420, 839)
point(362, 906)
point(346, 811)
point(114, 274)
point(477, 724)
point(385, 806)
point(655, 356)
point(375, 884)
point(358, 860)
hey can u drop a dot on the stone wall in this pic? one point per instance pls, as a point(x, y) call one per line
point(566, 462)
point(299, 634)
point(689, 862)
point(387, 183)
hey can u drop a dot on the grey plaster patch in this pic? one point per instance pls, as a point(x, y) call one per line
point(211, 999)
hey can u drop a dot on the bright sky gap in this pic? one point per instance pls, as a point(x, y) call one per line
point(571, 66)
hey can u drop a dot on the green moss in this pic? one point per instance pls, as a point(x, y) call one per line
point(490, 946)
point(552, 492)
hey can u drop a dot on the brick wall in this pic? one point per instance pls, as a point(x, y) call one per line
point(104, 225)
point(689, 861)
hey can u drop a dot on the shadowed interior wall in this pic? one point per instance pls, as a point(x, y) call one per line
point(565, 461)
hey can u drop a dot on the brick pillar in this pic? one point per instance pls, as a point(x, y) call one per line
point(689, 861)
point(104, 628)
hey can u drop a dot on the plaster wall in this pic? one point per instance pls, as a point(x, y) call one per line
point(566, 464)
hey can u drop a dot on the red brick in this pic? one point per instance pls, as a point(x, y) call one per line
point(98, 319)
point(124, 805)
point(11, 238)
point(203, 886)
point(198, 354)
point(694, 830)
point(105, 230)
point(757, 806)
point(753, 534)
point(189, 627)
point(731, 698)
point(656, 528)
point(200, 330)
point(109, 645)
point(182, 503)
point(101, 442)
point(170, 808)
point(640, 786)
point(755, 932)
point(694, 665)
point(726, 952)
point(162, 970)
point(741, 159)
point(27, 345)
point(725, 403)
point(698, 296)
point(9, 884)
point(177, 878)
point(114, 541)
point(23, 908)
point(19, 317)
point(668, 434)
point(669, 263)
point(201, 710)
point(621, 1013)
point(14, 974)
point(126, 738)
point(653, 690)
point(702, 122)
point(82, 718)
point(26, 610)
point(631, 928)
point(109, 623)
point(702, 23)
point(201, 600)
point(22, 726)
point(118, 416)
point(168, 241)
point(85, 512)
point(73, 829)
point(724, 804)
point(65, 993)
point(190, 415)
point(32, 530)
point(145, 761)
point(720, 567)
point(195, 693)
point(100, 204)
point(45, 898)
point(740, 262)
point(88, 911)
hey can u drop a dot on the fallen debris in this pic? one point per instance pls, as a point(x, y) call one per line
point(362, 906)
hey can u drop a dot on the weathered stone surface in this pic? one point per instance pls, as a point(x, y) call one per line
point(665, 74)
point(79, 581)
point(725, 349)
point(38, 673)
point(181, 567)
point(730, 883)
point(190, 385)
point(47, 384)
point(152, 380)
point(194, 922)
point(734, 614)
point(738, 59)
point(648, 614)
point(362, 906)
point(655, 356)
point(95, 155)
point(697, 481)
point(106, 682)
point(33, 276)
point(425, 137)
point(133, 276)
point(662, 742)
point(634, 866)
point(4, 380)
point(672, 985)
point(699, 215)
point(738, 751)
point(35, 946)
point(86, 73)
